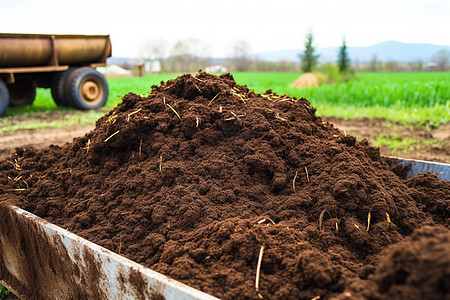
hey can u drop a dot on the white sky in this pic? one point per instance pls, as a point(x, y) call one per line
point(265, 25)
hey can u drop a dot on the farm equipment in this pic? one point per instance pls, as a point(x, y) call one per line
point(41, 260)
point(64, 63)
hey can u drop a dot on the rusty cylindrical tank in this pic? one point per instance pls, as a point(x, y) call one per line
point(26, 50)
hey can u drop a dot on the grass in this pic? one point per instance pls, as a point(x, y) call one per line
point(89, 117)
point(405, 97)
point(3, 292)
point(417, 98)
point(397, 144)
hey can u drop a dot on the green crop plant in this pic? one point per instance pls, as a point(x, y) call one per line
point(3, 292)
point(395, 143)
point(420, 98)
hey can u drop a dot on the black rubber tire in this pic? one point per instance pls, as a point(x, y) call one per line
point(22, 93)
point(4, 98)
point(57, 87)
point(86, 89)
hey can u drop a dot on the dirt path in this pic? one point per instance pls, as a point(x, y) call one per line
point(439, 151)
point(40, 138)
point(43, 137)
point(361, 128)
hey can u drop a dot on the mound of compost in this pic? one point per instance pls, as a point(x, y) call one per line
point(203, 178)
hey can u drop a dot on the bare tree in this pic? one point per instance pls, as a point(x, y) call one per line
point(153, 49)
point(178, 57)
point(198, 48)
point(198, 54)
point(189, 55)
point(241, 60)
point(414, 66)
point(391, 66)
point(373, 64)
point(441, 58)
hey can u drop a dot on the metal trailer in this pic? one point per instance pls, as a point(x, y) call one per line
point(39, 260)
point(64, 63)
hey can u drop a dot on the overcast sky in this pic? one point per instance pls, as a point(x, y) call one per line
point(265, 25)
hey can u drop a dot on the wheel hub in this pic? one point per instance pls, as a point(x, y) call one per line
point(90, 90)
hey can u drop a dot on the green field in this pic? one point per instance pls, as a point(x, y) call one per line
point(405, 97)
point(419, 98)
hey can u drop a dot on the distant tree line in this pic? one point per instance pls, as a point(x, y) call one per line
point(190, 55)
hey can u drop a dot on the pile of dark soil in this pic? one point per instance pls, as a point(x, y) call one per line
point(201, 177)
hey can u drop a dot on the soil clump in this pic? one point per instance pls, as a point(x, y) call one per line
point(193, 179)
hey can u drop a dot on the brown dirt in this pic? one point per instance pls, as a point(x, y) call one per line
point(365, 128)
point(39, 138)
point(362, 128)
point(193, 180)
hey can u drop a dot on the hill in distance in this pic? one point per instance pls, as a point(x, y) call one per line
point(385, 51)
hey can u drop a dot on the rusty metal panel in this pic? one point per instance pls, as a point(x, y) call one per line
point(80, 50)
point(19, 52)
point(27, 50)
point(39, 260)
point(33, 69)
point(419, 166)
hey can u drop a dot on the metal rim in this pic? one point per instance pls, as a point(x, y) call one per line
point(92, 91)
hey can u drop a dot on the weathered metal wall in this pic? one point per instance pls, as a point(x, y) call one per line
point(420, 166)
point(39, 260)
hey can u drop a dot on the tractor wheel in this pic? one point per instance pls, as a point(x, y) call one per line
point(22, 93)
point(57, 87)
point(4, 98)
point(86, 89)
